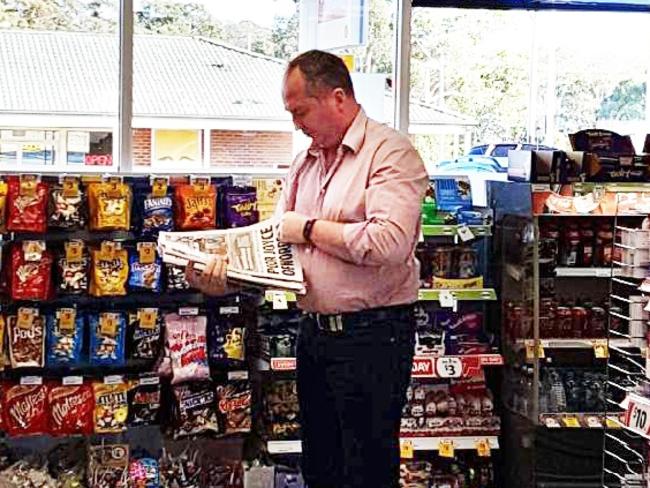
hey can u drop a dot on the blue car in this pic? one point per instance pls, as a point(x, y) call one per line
point(471, 164)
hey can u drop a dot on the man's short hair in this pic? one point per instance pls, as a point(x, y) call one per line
point(322, 70)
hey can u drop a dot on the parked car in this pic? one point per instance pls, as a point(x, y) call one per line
point(487, 158)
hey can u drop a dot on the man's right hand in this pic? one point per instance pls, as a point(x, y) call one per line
point(212, 280)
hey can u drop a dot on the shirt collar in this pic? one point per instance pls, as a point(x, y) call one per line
point(354, 136)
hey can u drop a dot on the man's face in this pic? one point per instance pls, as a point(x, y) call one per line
point(317, 115)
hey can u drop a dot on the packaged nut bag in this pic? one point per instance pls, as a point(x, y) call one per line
point(26, 338)
point(111, 407)
point(107, 338)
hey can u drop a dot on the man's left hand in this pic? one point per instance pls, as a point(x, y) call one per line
point(292, 225)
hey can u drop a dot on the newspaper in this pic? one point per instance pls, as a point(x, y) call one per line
point(255, 256)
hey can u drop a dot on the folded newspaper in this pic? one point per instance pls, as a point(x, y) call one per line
point(255, 256)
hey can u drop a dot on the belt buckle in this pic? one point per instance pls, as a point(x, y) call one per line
point(330, 323)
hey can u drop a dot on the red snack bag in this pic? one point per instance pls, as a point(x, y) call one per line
point(25, 410)
point(71, 409)
point(195, 206)
point(27, 209)
point(31, 271)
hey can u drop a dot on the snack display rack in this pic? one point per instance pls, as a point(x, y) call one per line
point(558, 247)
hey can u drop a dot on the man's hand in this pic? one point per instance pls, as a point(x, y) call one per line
point(212, 280)
point(292, 226)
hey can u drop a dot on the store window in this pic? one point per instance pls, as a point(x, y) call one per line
point(59, 92)
point(500, 80)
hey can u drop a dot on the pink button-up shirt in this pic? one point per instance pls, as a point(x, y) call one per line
point(375, 186)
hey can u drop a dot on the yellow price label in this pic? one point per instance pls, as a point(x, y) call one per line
point(147, 252)
point(66, 318)
point(406, 449)
point(159, 187)
point(74, 251)
point(483, 447)
point(28, 185)
point(201, 185)
point(107, 250)
point(601, 350)
point(572, 422)
point(612, 424)
point(530, 350)
point(70, 187)
point(108, 324)
point(446, 448)
point(25, 318)
point(147, 318)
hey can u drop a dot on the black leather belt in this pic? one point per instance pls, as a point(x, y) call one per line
point(337, 323)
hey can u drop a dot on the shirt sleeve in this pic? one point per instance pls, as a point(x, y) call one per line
point(393, 200)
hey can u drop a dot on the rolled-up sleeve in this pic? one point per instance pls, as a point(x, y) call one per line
point(393, 200)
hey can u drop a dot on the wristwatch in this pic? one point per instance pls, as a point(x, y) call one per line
point(307, 229)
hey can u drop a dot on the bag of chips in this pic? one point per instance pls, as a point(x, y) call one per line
point(65, 332)
point(110, 205)
point(144, 473)
point(226, 334)
point(73, 277)
point(107, 337)
point(26, 338)
point(3, 205)
point(176, 278)
point(195, 409)
point(187, 346)
point(71, 409)
point(234, 403)
point(108, 466)
point(238, 205)
point(110, 271)
point(156, 209)
point(145, 273)
point(144, 401)
point(25, 410)
point(111, 407)
point(145, 334)
point(31, 271)
point(67, 207)
point(27, 202)
point(195, 207)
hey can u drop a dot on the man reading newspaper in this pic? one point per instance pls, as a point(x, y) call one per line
point(351, 207)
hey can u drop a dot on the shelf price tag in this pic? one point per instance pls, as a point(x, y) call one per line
point(406, 449)
point(594, 422)
point(601, 350)
point(280, 301)
point(552, 423)
point(447, 299)
point(465, 233)
point(483, 447)
point(446, 448)
point(571, 422)
point(637, 417)
point(449, 367)
point(611, 424)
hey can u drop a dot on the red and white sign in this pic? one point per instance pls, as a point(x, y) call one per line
point(637, 414)
point(453, 366)
point(283, 364)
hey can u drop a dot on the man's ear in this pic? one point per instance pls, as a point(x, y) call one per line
point(339, 95)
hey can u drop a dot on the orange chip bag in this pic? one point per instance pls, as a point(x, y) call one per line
point(110, 205)
point(195, 207)
point(109, 273)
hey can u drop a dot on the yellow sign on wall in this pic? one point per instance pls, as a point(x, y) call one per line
point(177, 146)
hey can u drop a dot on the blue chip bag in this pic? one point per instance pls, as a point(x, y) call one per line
point(65, 332)
point(107, 337)
point(157, 215)
point(144, 277)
